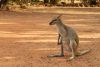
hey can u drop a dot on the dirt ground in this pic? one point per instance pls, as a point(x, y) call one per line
point(26, 39)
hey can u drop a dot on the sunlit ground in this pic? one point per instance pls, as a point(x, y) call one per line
point(26, 39)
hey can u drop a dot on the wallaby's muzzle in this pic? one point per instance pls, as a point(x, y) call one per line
point(51, 23)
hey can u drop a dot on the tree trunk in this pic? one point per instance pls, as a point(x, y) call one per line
point(72, 2)
point(53, 2)
point(46, 1)
point(3, 3)
point(92, 2)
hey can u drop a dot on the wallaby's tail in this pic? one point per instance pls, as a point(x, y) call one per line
point(83, 52)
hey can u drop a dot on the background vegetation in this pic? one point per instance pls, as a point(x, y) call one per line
point(25, 3)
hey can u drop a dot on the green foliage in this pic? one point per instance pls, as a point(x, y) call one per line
point(54, 2)
point(34, 0)
point(58, 1)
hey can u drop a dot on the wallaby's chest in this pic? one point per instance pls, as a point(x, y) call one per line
point(67, 33)
point(63, 32)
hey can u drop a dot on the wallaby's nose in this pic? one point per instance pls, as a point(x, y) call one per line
point(50, 23)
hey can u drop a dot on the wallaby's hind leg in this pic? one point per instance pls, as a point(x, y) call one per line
point(73, 47)
point(58, 55)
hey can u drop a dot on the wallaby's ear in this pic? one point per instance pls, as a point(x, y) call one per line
point(59, 16)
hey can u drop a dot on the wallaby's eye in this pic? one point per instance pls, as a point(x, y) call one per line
point(54, 20)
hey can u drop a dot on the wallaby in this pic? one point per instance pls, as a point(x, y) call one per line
point(68, 39)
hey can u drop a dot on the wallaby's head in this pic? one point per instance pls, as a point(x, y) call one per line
point(55, 20)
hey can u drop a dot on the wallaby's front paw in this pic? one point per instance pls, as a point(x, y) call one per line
point(59, 43)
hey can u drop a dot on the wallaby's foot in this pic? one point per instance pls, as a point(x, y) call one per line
point(83, 52)
point(70, 58)
point(57, 55)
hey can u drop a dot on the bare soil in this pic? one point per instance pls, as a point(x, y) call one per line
point(26, 39)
